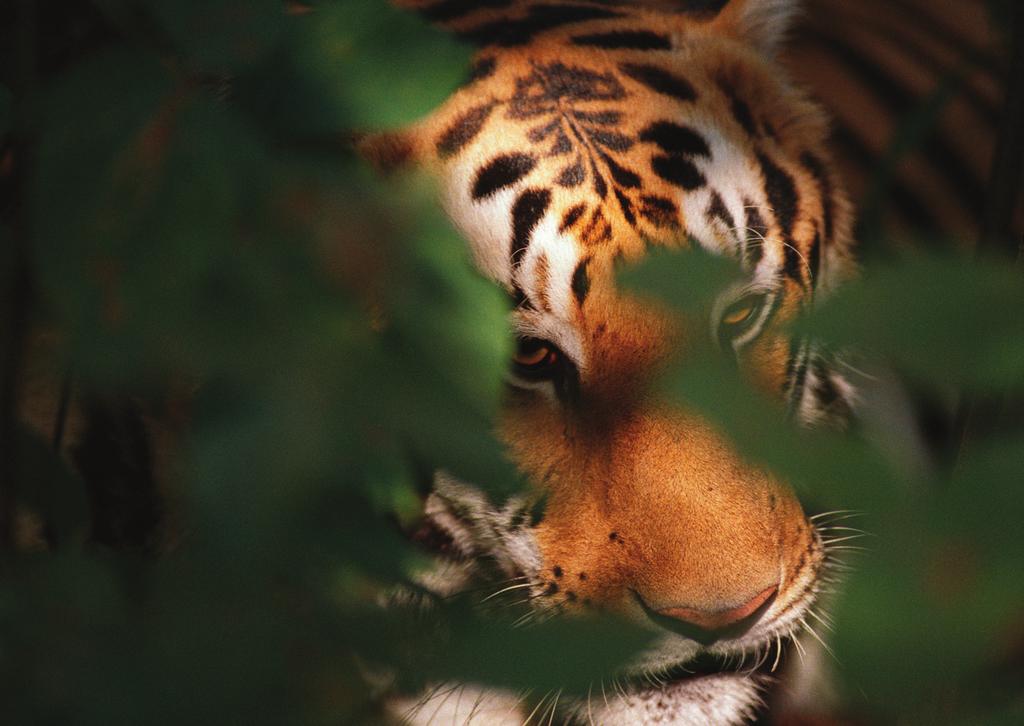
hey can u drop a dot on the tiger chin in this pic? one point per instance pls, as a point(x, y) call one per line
point(588, 133)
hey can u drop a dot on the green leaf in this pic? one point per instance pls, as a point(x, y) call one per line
point(388, 87)
point(221, 36)
point(688, 279)
point(945, 320)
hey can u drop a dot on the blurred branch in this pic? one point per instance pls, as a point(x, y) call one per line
point(1001, 201)
point(17, 289)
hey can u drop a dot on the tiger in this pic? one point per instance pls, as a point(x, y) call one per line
point(587, 134)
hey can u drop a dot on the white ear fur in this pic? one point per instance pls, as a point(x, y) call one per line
point(762, 23)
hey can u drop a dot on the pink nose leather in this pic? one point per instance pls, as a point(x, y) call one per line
point(714, 620)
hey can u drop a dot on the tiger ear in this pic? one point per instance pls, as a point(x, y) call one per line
point(762, 23)
point(389, 151)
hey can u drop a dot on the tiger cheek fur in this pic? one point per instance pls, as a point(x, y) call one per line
point(586, 134)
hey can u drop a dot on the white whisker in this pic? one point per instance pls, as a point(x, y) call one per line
point(778, 651)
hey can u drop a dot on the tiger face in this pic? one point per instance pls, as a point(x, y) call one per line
point(588, 133)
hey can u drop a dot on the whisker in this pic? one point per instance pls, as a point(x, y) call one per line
point(841, 528)
point(823, 619)
point(845, 538)
point(506, 589)
point(817, 637)
point(799, 648)
point(448, 694)
point(554, 707)
point(536, 708)
point(847, 512)
point(778, 651)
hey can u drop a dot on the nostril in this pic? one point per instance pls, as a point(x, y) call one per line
point(707, 626)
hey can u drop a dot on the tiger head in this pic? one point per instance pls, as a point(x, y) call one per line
point(587, 133)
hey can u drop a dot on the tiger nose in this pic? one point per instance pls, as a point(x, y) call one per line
point(707, 626)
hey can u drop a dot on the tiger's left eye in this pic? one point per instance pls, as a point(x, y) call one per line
point(536, 358)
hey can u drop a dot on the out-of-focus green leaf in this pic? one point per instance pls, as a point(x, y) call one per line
point(944, 320)
point(689, 280)
point(420, 68)
point(220, 36)
point(940, 580)
point(570, 654)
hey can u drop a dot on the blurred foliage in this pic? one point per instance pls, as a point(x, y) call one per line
point(199, 224)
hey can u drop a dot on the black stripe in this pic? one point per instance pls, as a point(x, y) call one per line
point(464, 129)
point(519, 299)
point(528, 210)
point(824, 389)
point(660, 80)
point(482, 68)
point(625, 39)
point(678, 170)
point(718, 210)
point(754, 247)
point(799, 373)
point(572, 216)
point(611, 140)
point(445, 11)
point(792, 263)
point(621, 174)
point(627, 207)
point(741, 112)
point(601, 118)
point(562, 144)
point(600, 185)
point(509, 33)
point(539, 133)
point(572, 175)
point(502, 171)
point(702, 7)
point(581, 282)
point(781, 192)
point(672, 138)
point(814, 165)
point(659, 211)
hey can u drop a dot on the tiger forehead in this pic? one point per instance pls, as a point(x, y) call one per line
point(607, 140)
point(600, 135)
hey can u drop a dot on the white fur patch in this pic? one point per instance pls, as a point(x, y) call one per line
point(563, 256)
point(460, 704)
point(723, 699)
point(735, 176)
point(485, 223)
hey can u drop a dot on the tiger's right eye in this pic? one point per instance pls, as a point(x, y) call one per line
point(736, 318)
point(737, 315)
